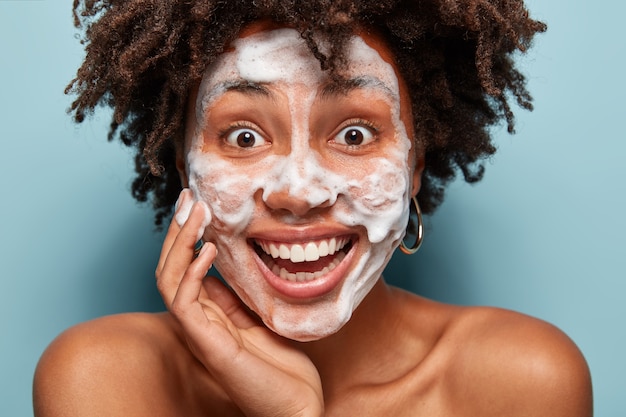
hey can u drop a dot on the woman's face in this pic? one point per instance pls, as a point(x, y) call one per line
point(308, 179)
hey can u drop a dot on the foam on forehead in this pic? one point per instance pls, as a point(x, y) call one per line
point(268, 57)
point(263, 57)
point(365, 59)
point(281, 55)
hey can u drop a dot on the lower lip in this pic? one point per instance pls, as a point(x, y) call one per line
point(309, 289)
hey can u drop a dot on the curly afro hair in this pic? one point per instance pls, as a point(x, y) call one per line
point(456, 56)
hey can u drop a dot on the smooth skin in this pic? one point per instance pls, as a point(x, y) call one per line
point(399, 355)
point(210, 357)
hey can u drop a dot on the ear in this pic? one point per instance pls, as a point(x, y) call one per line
point(181, 167)
point(417, 174)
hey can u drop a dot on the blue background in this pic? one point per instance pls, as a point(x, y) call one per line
point(543, 233)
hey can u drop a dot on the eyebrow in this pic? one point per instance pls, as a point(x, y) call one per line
point(240, 85)
point(344, 86)
point(244, 87)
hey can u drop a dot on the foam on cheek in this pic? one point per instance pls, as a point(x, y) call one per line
point(229, 193)
point(378, 202)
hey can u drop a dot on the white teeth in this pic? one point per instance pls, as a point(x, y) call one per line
point(332, 246)
point(284, 252)
point(273, 251)
point(309, 252)
point(297, 254)
point(322, 250)
point(304, 276)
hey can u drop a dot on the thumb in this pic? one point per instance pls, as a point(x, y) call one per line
point(230, 304)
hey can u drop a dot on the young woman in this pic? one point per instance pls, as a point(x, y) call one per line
point(298, 139)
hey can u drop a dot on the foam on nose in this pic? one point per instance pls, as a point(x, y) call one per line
point(302, 177)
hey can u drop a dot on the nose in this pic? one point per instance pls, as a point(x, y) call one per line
point(298, 204)
point(301, 186)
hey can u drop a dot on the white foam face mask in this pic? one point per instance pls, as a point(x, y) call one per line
point(369, 198)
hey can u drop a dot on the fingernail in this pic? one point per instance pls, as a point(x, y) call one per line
point(203, 249)
point(183, 206)
point(181, 198)
point(207, 218)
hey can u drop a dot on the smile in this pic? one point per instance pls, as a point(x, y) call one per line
point(305, 261)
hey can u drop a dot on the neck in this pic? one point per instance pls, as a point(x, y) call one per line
point(345, 358)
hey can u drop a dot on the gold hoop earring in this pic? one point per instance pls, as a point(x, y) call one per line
point(414, 227)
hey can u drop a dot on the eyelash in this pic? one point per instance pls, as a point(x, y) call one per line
point(373, 128)
point(237, 125)
point(361, 122)
point(243, 124)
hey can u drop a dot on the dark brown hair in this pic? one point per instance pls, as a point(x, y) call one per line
point(456, 57)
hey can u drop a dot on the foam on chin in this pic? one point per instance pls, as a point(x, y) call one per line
point(379, 202)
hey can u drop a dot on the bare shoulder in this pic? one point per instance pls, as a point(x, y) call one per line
point(506, 363)
point(113, 365)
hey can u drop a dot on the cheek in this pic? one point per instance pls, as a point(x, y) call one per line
point(380, 191)
point(379, 200)
point(227, 192)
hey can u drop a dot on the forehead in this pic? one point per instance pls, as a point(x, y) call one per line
point(280, 55)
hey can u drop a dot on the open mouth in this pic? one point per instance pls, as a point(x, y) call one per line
point(303, 262)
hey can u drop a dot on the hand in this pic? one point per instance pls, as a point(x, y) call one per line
point(258, 369)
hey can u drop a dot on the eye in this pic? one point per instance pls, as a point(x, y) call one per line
point(244, 138)
point(354, 136)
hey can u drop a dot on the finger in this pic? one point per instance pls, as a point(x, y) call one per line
point(170, 237)
point(172, 231)
point(200, 317)
point(181, 253)
point(228, 301)
point(190, 286)
point(183, 207)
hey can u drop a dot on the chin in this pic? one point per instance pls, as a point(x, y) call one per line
point(317, 322)
point(306, 310)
